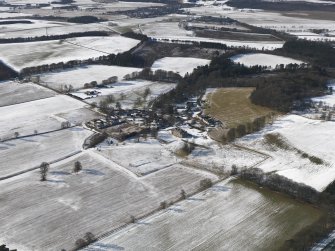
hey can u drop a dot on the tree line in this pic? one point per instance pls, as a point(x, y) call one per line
point(53, 37)
point(317, 53)
point(121, 59)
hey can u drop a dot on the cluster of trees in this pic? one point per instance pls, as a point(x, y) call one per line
point(15, 22)
point(52, 37)
point(83, 242)
point(212, 75)
point(280, 92)
point(201, 44)
point(85, 19)
point(158, 75)
point(317, 53)
point(136, 36)
point(45, 166)
point(6, 72)
point(280, 5)
point(281, 184)
point(228, 135)
point(4, 248)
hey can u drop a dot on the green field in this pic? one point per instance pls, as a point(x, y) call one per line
point(232, 106)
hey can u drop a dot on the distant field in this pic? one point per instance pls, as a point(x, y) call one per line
point(262, 59)
point(13, 93)
point(19, 56)
point(230, 216)
point(235, 35)
point(102, 197)
point(232, 106)
point(181, 65)
point(38, 28)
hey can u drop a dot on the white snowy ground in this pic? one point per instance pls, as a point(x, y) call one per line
point(316, 138)
point(262, 59)
point(147, 156)
point(77, 77)
point(313, 36)
point(181, 65)
point(130, 89)
point(229, 216)
point(52, 215)
point(259, 45)
point(169, 29)
point(21, 154)
point(38, 28)
point(12, 92)
point(209, 154)
point(26, 28)
point(40, 115)
point(327, 99)
point(19, 56)
point(13, 14)
point(265, 19)
point(172, 32)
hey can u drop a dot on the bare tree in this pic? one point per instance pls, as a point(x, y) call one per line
point(77, 167)
point(146, 93)
point(89, 237)
point(163, 205)
point(182, 194)
point(65, 124)
point(132, 219)
point(205, 183)
point(118, 105)
point(44, 168)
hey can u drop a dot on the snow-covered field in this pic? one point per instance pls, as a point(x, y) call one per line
point(262, 59)
point(13, 15)
point(21, 154)
point(19, 56)
point(265, 19)
point(327, 99)
point(169, 29)
point(12, 92)
point(228, 216)
point(42, 28)
point(147, 156)
point(40, 115)
point(127, 92)
point(313, 36)
point(102, 197)
point(181, 65)
point(77, 77)
point(259, 45)
point(27, 28)
point(209, 154)
point(316, 138)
